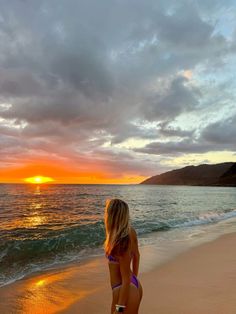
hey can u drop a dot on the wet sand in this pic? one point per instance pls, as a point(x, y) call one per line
point(200, 280)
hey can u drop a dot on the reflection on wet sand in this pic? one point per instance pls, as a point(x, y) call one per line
point(52, 291)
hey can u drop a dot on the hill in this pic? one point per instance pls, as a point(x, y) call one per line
point(223, 174)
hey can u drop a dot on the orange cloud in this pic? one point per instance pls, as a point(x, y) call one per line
point(188, 74)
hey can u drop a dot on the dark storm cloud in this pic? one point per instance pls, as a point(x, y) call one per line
point(167, 131)
point(221, 133)
point(168, 104)
point(174, 148)
point(182, 147)
point(217, 136)
point(179, 28)
point(80, 74)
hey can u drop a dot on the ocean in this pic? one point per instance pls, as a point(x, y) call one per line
point(43, 226)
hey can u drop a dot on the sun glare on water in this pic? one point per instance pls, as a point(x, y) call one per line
point(39, 180)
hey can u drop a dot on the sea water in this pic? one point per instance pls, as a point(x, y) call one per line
point(42, 226)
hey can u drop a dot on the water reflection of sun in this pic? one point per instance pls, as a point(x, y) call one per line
point(38, 180)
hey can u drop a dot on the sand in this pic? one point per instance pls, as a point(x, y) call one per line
point(199, 281)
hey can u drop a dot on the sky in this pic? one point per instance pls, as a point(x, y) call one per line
point(115, 91)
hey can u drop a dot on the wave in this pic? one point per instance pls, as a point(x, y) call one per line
point(20, 256)
point(202, 219)
point(60, 241)
point(208, 218)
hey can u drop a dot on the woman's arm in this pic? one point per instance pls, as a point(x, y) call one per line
point(124, 261)
point(136, 255)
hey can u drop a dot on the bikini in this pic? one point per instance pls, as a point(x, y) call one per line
point(133, 279)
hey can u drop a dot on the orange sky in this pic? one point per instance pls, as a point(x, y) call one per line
point(65, 174)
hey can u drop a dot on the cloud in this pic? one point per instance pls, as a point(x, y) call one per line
point(172, 148)
point(221, 133)
point(169, 103)
point(182, 147)
point(218, 136)
point(79, 77)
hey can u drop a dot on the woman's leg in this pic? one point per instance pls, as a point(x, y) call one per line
point(115, 297)
point(135, 296)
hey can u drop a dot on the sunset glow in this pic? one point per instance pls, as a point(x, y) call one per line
point(38, 180)
point(121, 98)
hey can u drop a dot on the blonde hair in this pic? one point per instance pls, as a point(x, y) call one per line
point(117, 225)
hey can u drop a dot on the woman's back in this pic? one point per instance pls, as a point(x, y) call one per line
point(121, 247)
point(113, 261)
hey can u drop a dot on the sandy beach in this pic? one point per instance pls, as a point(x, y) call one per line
point(200, 280)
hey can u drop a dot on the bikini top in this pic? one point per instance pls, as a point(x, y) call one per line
point(112, 259)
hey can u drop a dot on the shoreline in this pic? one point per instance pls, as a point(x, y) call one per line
point(201, 279)
point(156, 248)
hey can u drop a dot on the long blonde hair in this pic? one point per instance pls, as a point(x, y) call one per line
point(117, 224)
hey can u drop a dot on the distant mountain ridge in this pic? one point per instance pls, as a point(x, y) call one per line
point(223, 174)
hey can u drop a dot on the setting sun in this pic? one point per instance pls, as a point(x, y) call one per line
point(39, 180)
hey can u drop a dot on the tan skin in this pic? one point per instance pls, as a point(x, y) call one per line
point(127, 294)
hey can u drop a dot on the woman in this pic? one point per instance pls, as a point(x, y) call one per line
point(121, 248)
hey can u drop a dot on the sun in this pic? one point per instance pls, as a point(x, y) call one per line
point(39, 180)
